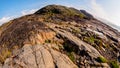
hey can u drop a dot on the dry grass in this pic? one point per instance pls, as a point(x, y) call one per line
point(4, 54)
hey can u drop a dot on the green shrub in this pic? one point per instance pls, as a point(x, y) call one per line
point(114, 64)
point(102, 59)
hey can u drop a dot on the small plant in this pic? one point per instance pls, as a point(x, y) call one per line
point(75, 31)
point(102, 59)
point(4, 54)
point(47, 41)
point(71, 56)
point(90, 40)
point(114, 64)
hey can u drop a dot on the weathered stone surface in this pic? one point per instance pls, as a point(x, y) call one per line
point(61, 60)
point(38, 56)
point(82, 45)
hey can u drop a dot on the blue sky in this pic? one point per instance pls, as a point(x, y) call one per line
point(106, 9)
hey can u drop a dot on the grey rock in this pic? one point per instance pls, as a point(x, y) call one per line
point(39, 56)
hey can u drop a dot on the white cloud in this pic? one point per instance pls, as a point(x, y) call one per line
point(98, 10)
point(22, 13)
point(4, 19)
point(25, 12)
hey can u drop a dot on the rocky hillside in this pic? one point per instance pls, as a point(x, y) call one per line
point(58, 37)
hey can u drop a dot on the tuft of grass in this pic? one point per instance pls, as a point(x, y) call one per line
point(4, 55)
point(75, 31)
point(114, 64)
point(71, 56)
point(102, 59)
point(47, 41)
point(90, 40)
point(69, 51)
